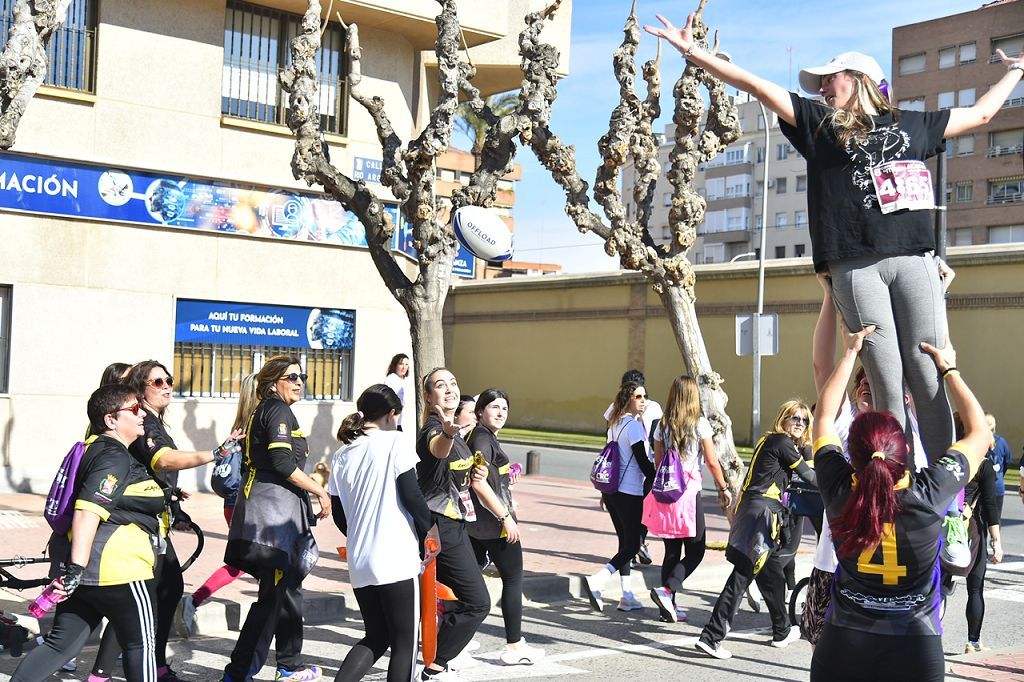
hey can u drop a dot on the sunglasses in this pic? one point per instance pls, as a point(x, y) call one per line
point(134, 409)
point(294, 378)
point(796, 418)
point(160, 382)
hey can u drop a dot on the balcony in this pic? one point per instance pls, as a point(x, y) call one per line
point(1007, 198)
point(994, 152)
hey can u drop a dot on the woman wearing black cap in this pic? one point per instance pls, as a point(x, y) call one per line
point(868, 197)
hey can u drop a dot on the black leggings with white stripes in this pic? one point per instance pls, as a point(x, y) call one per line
point(129, 609)
point(390, 619)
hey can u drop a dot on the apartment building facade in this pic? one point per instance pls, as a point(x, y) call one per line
point(951, 62)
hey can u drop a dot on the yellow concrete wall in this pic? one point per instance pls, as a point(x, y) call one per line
point(559, 344)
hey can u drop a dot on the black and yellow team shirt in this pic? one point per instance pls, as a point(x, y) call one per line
point(894, 587)
point(117, 488)
point(275, 445)
point(775, 460)
point(443, 480)
point(487, 452)
point(147, 449)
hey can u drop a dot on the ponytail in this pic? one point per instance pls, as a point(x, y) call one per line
point(373, 403)
point(878, 452)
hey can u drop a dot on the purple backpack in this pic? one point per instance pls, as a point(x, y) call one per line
point(60, 503)
point(605, 472)
point(669, 483)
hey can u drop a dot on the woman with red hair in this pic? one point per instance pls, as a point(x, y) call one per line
point(886, 526)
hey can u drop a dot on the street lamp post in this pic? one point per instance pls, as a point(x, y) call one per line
point(755, 405)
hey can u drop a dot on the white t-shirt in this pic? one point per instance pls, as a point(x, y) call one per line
point(651, 414)
point(397, 384)
point(825, 558)
point(693, 449)
point(382, 544)
point(626, 432)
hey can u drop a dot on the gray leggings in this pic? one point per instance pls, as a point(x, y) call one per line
point(902, 296)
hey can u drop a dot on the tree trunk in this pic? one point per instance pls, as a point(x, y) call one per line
point(424, 305)
point(682, 314)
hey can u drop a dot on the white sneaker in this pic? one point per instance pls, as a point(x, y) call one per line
point(463, 661)
point(185, 617)
point(714, 651)
point(71, 666)
point(520, 654)
point(629, 603)
point(447, 675)
point(593, 594)
point(794, 635)
point(754, 600)
point(662, 598)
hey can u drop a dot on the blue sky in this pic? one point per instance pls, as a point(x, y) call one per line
point(757, 35)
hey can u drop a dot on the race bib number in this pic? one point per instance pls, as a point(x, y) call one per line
point(903, 185)
point(467, 504)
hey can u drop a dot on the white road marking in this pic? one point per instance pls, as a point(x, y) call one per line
point(1006, 595)
point(10, 519)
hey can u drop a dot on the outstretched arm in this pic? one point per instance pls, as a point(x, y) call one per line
point(831, 396)
point(773, 96)
point(976, 439)
point(823, 345)
point(962, 119)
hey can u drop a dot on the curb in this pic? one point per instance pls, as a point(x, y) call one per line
point(558, 446)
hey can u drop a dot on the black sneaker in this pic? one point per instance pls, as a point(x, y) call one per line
point(644, 555)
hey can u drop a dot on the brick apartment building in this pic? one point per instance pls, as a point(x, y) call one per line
point(950, 62)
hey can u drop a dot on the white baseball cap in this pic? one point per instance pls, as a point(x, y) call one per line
point(810, 79)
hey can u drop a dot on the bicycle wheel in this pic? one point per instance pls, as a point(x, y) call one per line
point(797, 601)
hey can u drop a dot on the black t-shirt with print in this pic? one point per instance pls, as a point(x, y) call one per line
point(275, 445)
point(148, 447)
point(845, 220)
point(894, 587)
point(441, 480)
point(487, 452)
point(772, 465)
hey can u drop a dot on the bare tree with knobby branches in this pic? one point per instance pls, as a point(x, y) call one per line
point(23, 62)
point(408, 172)
point(630, 138)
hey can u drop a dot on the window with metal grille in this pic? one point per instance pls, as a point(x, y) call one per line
point(71, 53)
point(256, 50)
point(209, 370)
point(5, 335)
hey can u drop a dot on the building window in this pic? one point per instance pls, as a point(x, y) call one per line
point(72, 49)
point(800, 217)
point(256, 50)
point(781, 152)
point(916, 104)
point(1011, 45)
point(947, 57)
point(964, 192)
point(913, 63)
point(1005, 142)
point(968, 53)
point(758, 222)
point(5, 336)
point(801, 183)
point(780, 251)
point(962, 236)
point(947, 100)
point(666, 233)
point(1006, 192)
point(1006, 234)
point(760, 154)
point(965, 97)
point(666, 199)
point(737, 186)
point(759, 188)
point(780, 185)
point(965, 145)
point(781, 219)
point(760, 122)
point(1016, 98)
point(798, 250)
point(204, 370)
point(714, 253)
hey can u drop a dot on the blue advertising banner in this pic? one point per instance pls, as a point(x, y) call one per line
point(248, 324)
point(77, 190)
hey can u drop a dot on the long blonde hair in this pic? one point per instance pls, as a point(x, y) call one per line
point(787, 410)
point(247, 401)
point(682, 412)
point(853, 124)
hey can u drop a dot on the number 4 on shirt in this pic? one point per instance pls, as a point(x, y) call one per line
point(890, 568)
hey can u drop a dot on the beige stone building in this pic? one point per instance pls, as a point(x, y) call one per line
point(148, 210)
point(950, 62)
point(733, 185)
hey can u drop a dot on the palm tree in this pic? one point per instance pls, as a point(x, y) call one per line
point(475, 128)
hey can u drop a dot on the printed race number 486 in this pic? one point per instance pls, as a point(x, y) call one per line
point(890, 568)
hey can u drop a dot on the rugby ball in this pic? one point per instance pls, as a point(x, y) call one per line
point(483, 233)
